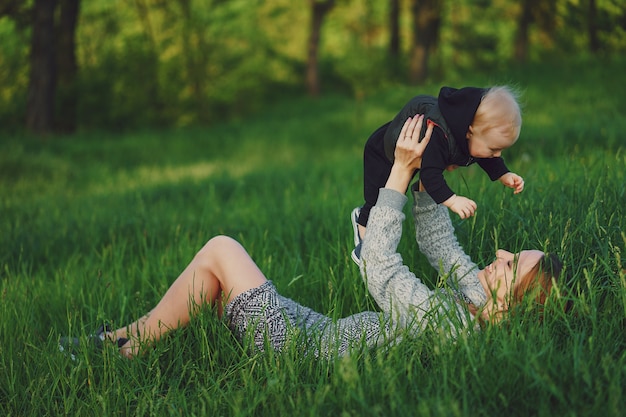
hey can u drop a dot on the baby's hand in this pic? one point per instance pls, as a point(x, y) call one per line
point(514, 181)
point(462, 206)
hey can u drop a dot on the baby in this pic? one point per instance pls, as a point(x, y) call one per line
point(470, 125)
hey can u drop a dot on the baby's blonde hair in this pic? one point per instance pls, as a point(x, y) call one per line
point(500, 110)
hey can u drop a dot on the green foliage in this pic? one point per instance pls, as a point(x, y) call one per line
point(96, 226)
point(476, 36)
point(149, 63)
point(573, 22)
point(191, 64)
point(13, 77)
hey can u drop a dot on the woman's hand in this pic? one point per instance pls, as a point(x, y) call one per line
point(409, 147)
point(408, 153)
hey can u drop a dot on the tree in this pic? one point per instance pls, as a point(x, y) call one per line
point(592, 26)
point(53, 67)
point(16, 10)
point(426, 20)
point(523, 25)
point(319, 10)
point(42, 80)
point(541, 13)
point(67, 68)
point(394, 29)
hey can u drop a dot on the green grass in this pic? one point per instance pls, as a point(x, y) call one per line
point(96, 226)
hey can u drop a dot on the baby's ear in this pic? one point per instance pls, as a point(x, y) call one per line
point(470, 132)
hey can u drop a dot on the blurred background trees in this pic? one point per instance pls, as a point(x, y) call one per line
point(67, 64)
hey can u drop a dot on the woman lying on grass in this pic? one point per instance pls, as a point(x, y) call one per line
point(223, 275)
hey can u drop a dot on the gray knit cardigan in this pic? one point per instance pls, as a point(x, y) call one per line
point(398, 292)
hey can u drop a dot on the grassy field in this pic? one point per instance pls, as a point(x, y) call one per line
point(95, 227)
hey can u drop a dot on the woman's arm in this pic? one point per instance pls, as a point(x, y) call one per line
point(436, 240)
point(395, 289)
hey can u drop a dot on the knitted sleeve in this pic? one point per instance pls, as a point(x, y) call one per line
point(436, 240)
point(395, 288)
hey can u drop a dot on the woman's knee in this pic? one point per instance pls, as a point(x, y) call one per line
point(221, 240)
point(218, 247)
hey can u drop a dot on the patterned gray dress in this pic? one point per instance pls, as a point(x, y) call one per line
point(271, 320)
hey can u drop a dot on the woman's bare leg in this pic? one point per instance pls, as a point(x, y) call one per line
point(220, 271)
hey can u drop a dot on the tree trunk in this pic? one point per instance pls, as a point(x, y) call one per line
point(592, 27)
point(17, 10)
point(394, 29)
point(394, 37)
point(426, 16)
point(67, 67)
point(145, 11)
point(319, 9)
point(523, 25)
point(195, 61)
point(42, 83)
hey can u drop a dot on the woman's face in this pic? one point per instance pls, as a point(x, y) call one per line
point(499, 277)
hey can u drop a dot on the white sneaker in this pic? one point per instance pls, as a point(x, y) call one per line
point(356, 252)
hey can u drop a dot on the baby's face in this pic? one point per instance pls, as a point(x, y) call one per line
point(488, 144)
